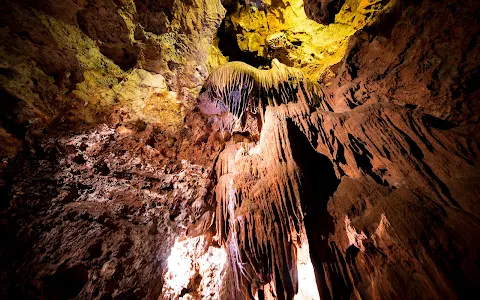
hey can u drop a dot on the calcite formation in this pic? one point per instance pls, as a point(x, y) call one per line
point(300, 41)
point(243, 88)
point(259, 213)
point(266, 149)
point(258, 183)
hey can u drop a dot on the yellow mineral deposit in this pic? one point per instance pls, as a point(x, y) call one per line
point(311, 46)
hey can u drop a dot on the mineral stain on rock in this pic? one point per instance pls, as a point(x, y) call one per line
point(265, 149)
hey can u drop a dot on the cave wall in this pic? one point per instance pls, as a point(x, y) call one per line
point(395, 212)
point(106, 161)
point(423, 54)
point(404, 90)
point(77, 61)
point(101, 157)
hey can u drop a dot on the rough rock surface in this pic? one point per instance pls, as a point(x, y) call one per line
point(104, 164)
point(380, 210)
point(114, 185)
point(404, 136)
point(323, 11)
point(424, 55)
point(95, 213)
point(260, 31)
point(75, 61)
point(383, 173)
point(393, 213)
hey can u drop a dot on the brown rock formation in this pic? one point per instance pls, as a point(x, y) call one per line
point(351, 173)
point(323, 11)
point(422, 55)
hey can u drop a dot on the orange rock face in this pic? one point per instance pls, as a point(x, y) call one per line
point(354, 176)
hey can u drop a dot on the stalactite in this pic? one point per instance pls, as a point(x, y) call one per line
point(241, 87)
point(259, 217)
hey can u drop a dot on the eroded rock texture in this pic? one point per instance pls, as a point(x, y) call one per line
point(423, 55)
point(323, 11)
point(102, 167)
point(379, 170)
point(346, 167)
point(77, 61)
point(95, 213)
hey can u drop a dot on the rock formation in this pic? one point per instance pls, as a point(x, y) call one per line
point(207, 149)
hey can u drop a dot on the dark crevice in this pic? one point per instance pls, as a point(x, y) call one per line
point(126, 59)
point(438, 123)
point(363, 159)
point(418, 132)
point(323, 11)
point(351, 255)
point(320, 182)
point(227, 40)
point(114, 45)
point(9, 115)
point(227, 43)
point(65, 284)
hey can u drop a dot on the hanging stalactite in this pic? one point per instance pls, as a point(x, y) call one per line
point(241, 87)
point(259, 216)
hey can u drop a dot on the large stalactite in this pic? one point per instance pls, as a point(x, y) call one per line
point(264, 189)
point(259, 216)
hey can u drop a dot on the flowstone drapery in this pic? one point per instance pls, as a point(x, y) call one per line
point(259, 215)
point(241, 87)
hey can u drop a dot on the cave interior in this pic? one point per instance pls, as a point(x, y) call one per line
point(252, 149)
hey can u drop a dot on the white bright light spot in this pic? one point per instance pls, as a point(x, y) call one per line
point(307, 284)
point(189, 259)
